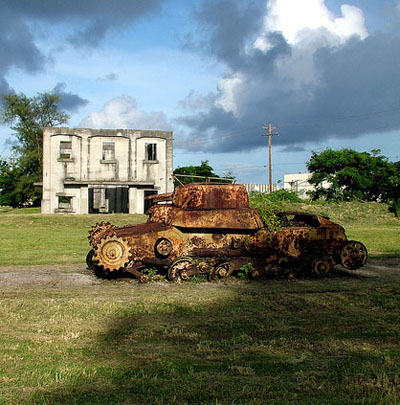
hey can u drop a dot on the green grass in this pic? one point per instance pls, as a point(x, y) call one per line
point(330, 341)
point(50, 239)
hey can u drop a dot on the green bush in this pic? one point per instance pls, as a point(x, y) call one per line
point(268, 206)
point(284, 196)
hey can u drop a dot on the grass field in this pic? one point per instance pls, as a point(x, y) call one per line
point(329, 341)
point(32, 238)
point(69, 338)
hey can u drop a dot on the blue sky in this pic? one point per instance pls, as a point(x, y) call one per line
point(214, 71)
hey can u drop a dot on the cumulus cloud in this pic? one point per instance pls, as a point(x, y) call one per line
point(68, 101)
point(122, 112)
point(312, 73)
point(296, 20)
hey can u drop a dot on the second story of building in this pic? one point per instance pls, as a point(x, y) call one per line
point(85, 155)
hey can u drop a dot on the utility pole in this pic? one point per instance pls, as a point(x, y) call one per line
point(270, 134)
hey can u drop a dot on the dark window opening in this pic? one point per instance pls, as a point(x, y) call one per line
point(108, 151)
point(65, 149)
point(64, 203)
point(151, 151)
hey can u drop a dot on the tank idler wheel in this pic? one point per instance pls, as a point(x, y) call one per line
point(182, 269)
point(321, 267)
point(163, 247)
point(353, 255)
point(222, 271)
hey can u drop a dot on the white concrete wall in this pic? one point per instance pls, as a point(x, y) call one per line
point(155, 170)
point(56, 169)
point(99, 169)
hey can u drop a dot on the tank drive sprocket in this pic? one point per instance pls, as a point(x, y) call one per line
point(112, 253)
point(98, 231)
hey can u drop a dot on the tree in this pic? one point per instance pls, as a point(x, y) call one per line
point(347, 174)
point(204, 170)
point(8, 193)
point(27, 117)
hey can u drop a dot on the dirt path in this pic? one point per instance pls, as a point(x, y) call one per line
point(11, 277)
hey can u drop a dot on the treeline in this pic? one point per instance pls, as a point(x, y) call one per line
point(27, 116)
point(346, 175)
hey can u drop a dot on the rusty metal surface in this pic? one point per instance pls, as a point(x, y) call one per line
point(159, 197)
point(210, 229)
point(243, 218)
point(211, 196)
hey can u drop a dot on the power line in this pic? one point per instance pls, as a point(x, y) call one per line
point(294, 123)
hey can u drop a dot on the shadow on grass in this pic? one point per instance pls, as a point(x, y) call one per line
point(236, 344)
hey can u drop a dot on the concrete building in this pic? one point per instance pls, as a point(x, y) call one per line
point(298, 182)
point(104, 170)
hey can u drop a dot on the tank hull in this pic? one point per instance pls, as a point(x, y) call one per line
point(206, 231)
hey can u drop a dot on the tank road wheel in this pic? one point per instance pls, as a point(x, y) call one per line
point(222, 271)
point(163, 247)
point(181, 269)
point(112, 253)
point(321, 267)
point(353, 255)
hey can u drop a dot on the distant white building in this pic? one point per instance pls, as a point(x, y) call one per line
point(298, 182)
point(104, 171)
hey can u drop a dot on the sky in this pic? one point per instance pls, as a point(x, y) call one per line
point(325, 73)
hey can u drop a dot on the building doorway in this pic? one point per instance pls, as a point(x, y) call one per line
point(108, 200)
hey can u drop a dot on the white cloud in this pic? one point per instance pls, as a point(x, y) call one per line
point(307, 26)
point(227, 88)
point(122, 112)
point(295, 18)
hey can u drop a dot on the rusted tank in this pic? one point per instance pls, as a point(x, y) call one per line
point(210, 229)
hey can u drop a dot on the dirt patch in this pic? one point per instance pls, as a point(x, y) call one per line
point(50, 276)
point(382, 269)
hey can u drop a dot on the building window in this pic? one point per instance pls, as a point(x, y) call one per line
point(151, 151)
point(108, 151)
point(64, 203)
point(65, 149)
